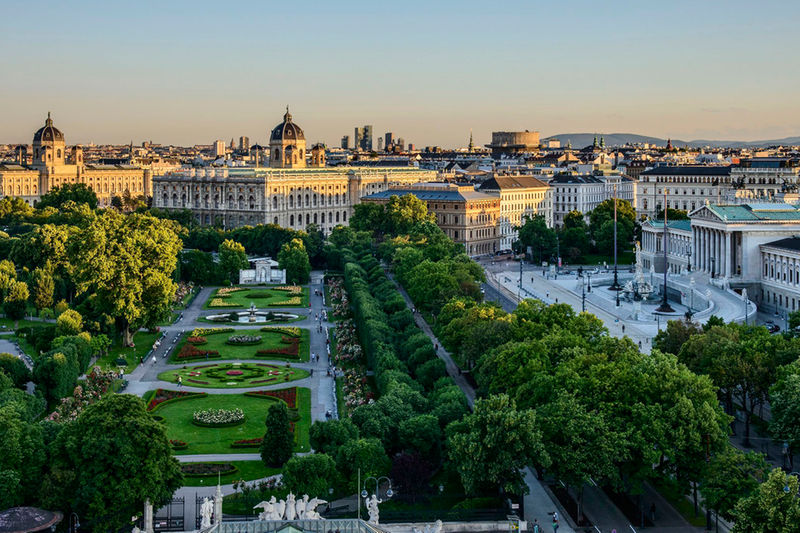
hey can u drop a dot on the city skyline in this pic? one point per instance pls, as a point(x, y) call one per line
point(192, 73)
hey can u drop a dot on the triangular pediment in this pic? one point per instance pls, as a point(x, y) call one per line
point(704, 213)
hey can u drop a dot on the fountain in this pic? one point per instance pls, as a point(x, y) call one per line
point(252, 317)
point(637, 289)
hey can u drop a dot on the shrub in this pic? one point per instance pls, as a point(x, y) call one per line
point(196, 340)
point(218, 417)
point(247, 443)
point(178, 444)
point(202, 332)
point(189, 351)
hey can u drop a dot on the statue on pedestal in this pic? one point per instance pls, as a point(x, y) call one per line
point(206, 510)
point(291, 510)
point(372, 509)
point(311, 509)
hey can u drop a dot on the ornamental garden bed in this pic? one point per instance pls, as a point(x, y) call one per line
point(277, 343)
point(207, 469)
point(246, 470)
point(218, 418)
point(162, 396)
point(234, 375)
point(264, 296)
point(207, 440)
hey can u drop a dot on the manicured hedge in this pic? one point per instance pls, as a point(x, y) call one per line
point(207, 469)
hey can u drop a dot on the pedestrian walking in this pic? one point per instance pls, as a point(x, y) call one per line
point(535, 527)
point(180, 381)
point(154, 359)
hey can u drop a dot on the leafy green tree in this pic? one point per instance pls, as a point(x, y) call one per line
point(15, 303)
point(232, 259)
point(69, 192)
point(314, 241)
point(492, 446)
point(367, 216)
point(294, 259)
point(327, 436)
point(199, 267)
point(100, 344)
point(773, 508)
point(362, 454)
point(106, 463)
point(402, 213)
point(541, 239)
point(785, 407)
point(423, 435)
point(70, 322)
point(730, 476)
point(677, 332)
point(15, 369)
point(42, 287)
point(126, 262)
point(278, 443)
point(601, 225)
point(310, 474)
point(14, 208)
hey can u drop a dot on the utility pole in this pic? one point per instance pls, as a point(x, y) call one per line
point(519, 289)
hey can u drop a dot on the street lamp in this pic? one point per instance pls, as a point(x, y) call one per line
point(589, 276)
point(74, 523)
point(389, 492)
point(665, 307)
point(615, 286)
point(689, 254)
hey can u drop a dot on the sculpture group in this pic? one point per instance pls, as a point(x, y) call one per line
point(290, 509)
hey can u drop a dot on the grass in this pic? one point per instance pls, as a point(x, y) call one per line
point(242, 298)
point(216, 341)
point(191, 374)
point(24, 345)
point(340, 406)
point(269, 323)
point(7, 324)
point(203, 440)
point(143, 341)
point(247, 470)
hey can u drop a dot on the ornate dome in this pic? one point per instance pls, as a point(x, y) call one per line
point(287, 130)
point(48, 132)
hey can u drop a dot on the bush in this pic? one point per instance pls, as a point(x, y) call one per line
point(189, 352)
point(207, 469)
point(178, 444)
point(15, 369)
point(244, 340)
point(196, 340)
point(218, 417)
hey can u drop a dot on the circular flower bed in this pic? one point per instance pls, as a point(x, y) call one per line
point(234, 373)
point(244, 340)
point(218, 417)
point(207, 469)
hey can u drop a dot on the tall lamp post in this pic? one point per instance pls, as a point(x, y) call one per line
point(665, 307)
point(74, 523)
point(364, 493)
point(615, 286)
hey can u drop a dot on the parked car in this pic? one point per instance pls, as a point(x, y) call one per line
point(772, 327)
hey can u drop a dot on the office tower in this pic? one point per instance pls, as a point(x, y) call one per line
point(401, 143)
point(380, 143)
point(219, 148)
point(366, 141)
point(388, 139)
point(244, 143)
point(345, 142)
point(358, 136)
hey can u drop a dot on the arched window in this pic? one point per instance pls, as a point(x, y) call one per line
point(291, 220)
point(315, 218)
point(275, 221)
point(308, 219)
point(323, 217)
point(307, 201)
point(274, 202)
point(344, 216)
point(252, 202)
point(337, 216)
point(277, 154)
point(291, 201)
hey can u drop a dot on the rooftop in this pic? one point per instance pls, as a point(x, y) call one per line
point(512, 182)
point(692, 170)
point(755, 212)
point(789, 243)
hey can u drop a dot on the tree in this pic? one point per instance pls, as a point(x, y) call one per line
point(232, 259)
point(601, 225)
point(294, 259)
point(69, 192)
point(15, 304)
point(402, 213)
point(367, 216)
point(730, 476)
point(14, 368)
point(42, 287)
point(541, 239)
point(677, 332)
point(421, 434)
point(126, 262)
point(785, 406)
point(366, 455)
point(773, 508)
point(327, 436)
point(490, 447)
point(314, 241)
point(310, 474)
point(70, 322)
point(278, 442)
point(410, 474)
point(108, 462)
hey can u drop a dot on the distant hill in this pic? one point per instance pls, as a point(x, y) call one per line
point(580, 140)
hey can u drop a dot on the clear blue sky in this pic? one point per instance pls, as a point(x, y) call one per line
point(191, 72)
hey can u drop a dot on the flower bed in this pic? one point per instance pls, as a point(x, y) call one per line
point(196, 340)
point(162, 396)
point(234, 373)
point(219, 302)
point(199, 382)
point(293, 350)
point(178, 444)
point(189, 352)
point(291, 289)
point(288, 331)
point(218, 417)
point(244, 340)
point(294, 301)
point(207, 469)
point(247, 443)
point(288, 396)
point(202, 332)
point(225, 291)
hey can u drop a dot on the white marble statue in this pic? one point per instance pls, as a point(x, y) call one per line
point(206, 510)
point(136, 530)
point(280, 510)
point(301, 507)
point(437, 526)
point(311, 509)
point(269, 509)
point(372, 509)
point(291, 510)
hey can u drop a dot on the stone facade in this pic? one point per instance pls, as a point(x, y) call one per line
point(520, 197)
point(52, 166)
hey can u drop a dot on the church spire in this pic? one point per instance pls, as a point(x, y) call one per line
point(471, 144)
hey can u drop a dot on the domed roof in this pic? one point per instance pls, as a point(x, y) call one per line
point(287, 130)
point(48, 132)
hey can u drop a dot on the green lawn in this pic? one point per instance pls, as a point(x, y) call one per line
point(269, 340)
point(6, 324)
point(216, 377)
point(202, 440)
point(144, 342)
point(247, 470)
point(243, 298)
point(341, 408)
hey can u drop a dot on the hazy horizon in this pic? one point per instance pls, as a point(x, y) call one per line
point(188, 73)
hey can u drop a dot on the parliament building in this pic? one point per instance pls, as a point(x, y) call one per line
point(292, 192)
point(52, 164)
